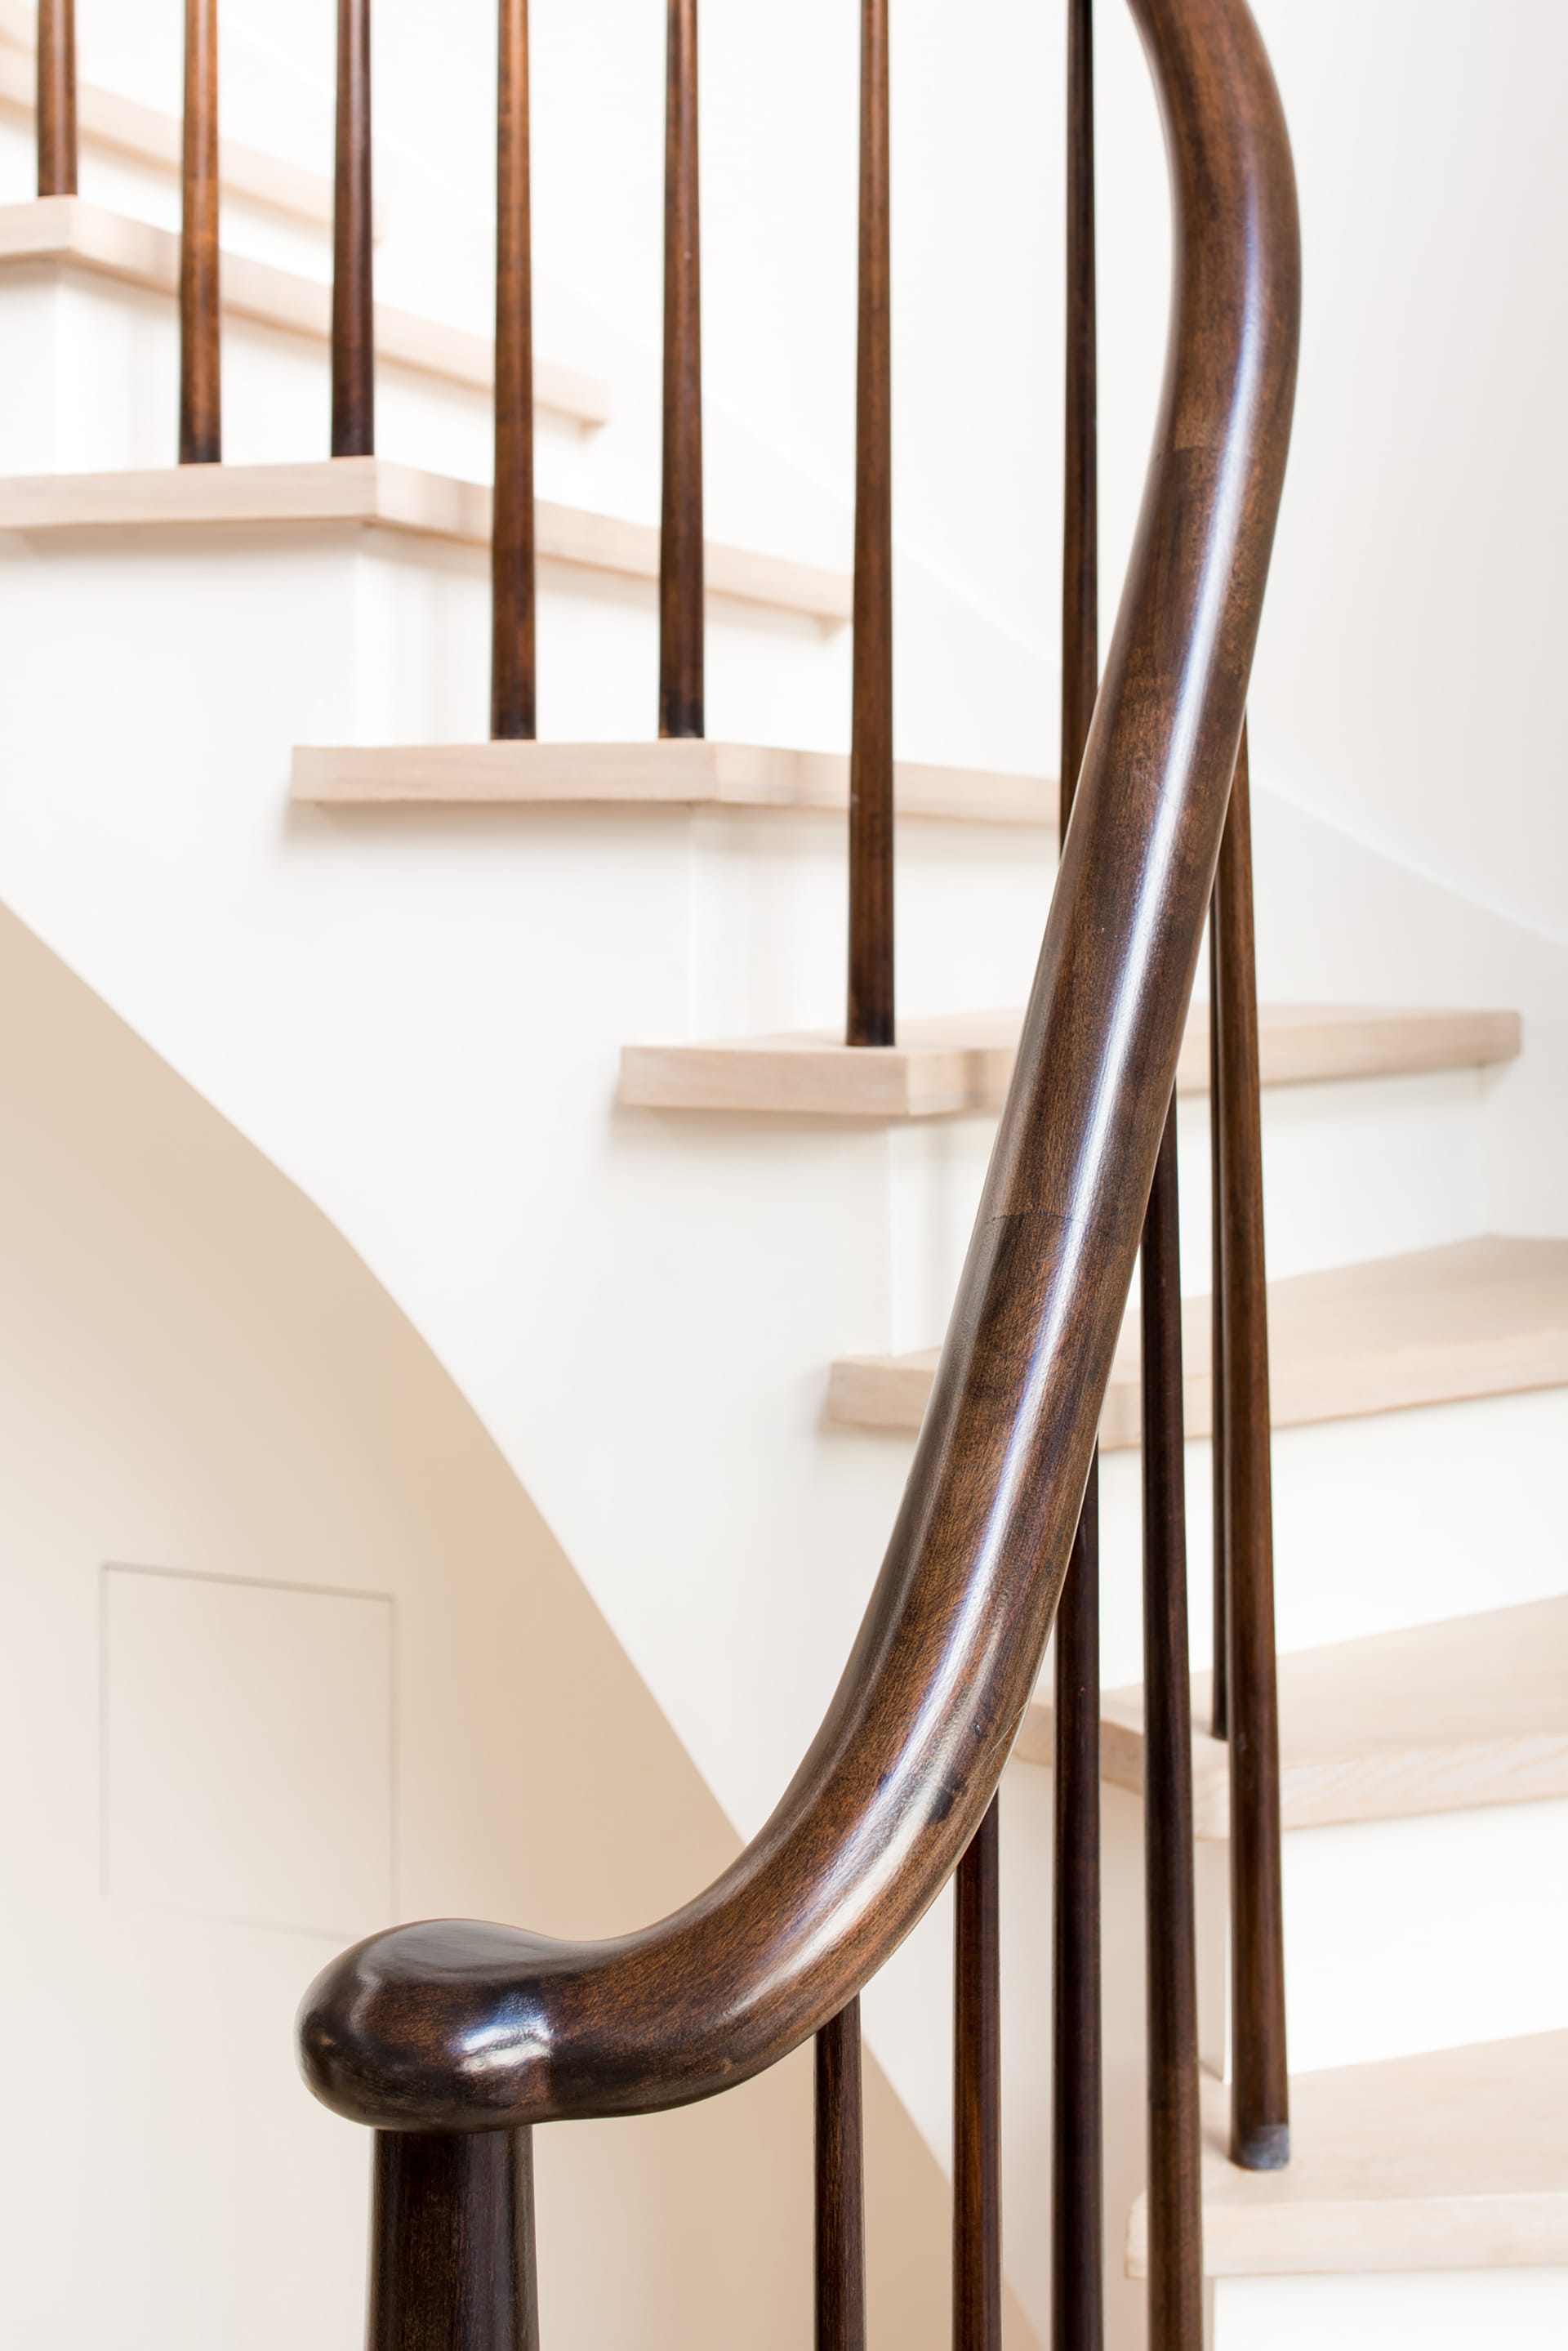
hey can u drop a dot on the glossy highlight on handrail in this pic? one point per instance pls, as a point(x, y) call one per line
point(459, 2026)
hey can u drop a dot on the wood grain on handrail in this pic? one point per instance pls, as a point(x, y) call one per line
point(463, 2026)
point(200, 380)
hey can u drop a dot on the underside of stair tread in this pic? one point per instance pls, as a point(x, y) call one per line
point(679, 773)
point(374, 490)
point(1436, 1718)
point(1454, 2161)
point(960, 1062)
point(73, 234)
point(1478, 1318)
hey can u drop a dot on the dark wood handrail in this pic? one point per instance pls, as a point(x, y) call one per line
point(461, 2026)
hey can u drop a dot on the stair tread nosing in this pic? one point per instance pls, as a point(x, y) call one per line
point(1476, 1318)
point(71, 233)
point(1434, 1718)
point(392, 497)
point(959, 1063)
point(1454, 2159)
point(676, 773)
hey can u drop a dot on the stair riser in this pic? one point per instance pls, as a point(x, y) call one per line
point(1438, 2310)
point(1403, 1936)
point(111, 354)
point(1351, 1171)
point(1396, 1519)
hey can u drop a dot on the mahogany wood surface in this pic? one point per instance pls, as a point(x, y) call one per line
point(201, 378)
point(458, 2025)
point(1174, 2123)
point(680, 587)
point(870, 1019)
point(840, 2235)
point(1077, 2173)
point(977, 2093)
point(512, 639)
point(1077, 2191)
point(57, 102)
point(353, 297)
point(1219, 1700)
point(1259, 2102)
point(452, 2244)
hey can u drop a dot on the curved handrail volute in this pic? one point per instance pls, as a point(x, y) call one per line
point(461, 2026)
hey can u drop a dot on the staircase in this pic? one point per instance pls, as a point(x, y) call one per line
point(548, 1034)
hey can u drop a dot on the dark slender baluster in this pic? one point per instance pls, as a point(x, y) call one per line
point(977, 2097)
point(353, 309)
point(1259, 2126)
point(56, 116)
point(512, 529)
point(452, 2244)
point(1219, 1685)
point(680, 592)
point(1077, 2191)
point(1077, 2215)
point(870, 1019)
point(840, 2195)
point(200, 380)
point(1175, 2201)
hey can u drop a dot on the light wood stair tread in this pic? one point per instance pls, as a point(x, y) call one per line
point(1455, 2159)
point(67, 231)
point(1434, 1718)
point(955, 1063)
point(681, 774)
point(375, 490)
point(144, 134)
point(1477, 1318)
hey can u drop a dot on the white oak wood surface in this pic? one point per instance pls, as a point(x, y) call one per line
point(1477, 1318)
point(1454, 2161)
point(675, 774)
point(959, 1063)
point(1435, 1718)
point(375, 491)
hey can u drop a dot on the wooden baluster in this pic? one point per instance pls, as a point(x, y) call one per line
point(1259, 2127)
point(840, 2195)
point(201, 370)
point(353, 301)
point(451, 2242)
point(680, 588)
point(870, 1018)
point(1175, 2199)
point(57, 102)
point(1219, 1680)
point(977, 2095)
point(512, 527)
point(1077, 2216)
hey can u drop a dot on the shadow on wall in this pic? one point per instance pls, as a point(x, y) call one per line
point(286, 1652)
